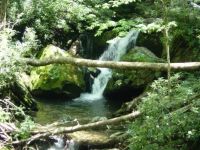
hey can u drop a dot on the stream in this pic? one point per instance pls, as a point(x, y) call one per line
point(65, 110)
point(89, 106)
point(51, 110)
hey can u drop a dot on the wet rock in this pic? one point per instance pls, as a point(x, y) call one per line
point(56, 79)
point(89, 76)
point(91, 139)
point(20, 93)
point(94, 46)
point(75, 48)
point(132, 82)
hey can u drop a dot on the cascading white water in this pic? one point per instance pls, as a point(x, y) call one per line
point(100, 83)
point(116, 49)
point(60, 144)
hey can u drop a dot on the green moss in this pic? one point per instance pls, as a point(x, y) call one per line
point(134, 78)
point(140, 54)
point(55, 76)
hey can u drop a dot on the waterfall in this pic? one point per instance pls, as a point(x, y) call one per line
point(117, 48)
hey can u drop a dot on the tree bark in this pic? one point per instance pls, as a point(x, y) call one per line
point(3, 9)
point(112, 64)
point(166, 44)
point(61, 130)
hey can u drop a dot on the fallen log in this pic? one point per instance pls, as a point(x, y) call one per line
point(62, 130)
point(112, 64)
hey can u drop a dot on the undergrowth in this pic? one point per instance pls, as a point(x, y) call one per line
point(14, 123)
point(169, 122)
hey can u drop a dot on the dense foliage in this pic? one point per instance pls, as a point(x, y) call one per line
point(14, 119)
point(170, 117)
point(168, 122)
point(70, 19)
point(12, 51)
point(52, 18)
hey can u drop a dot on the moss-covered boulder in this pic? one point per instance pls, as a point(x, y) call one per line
point(124, 80)
point(56, 79)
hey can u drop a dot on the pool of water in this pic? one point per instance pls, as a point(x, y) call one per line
point(51, 110)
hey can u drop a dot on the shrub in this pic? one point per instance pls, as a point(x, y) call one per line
point(168, 122)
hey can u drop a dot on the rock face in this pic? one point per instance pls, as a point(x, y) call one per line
point(132, 80)
point(56, 79)
point(20, 93)
point(94, 46)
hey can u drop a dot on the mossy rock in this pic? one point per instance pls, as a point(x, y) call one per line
point(61, 79)
point(151, 41)
point(135, 79)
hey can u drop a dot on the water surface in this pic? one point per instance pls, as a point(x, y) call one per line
point(51, 110)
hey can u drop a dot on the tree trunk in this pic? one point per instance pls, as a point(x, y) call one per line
point(166, 45)
point(112, 64)
point(3, 9)
point(167, 41)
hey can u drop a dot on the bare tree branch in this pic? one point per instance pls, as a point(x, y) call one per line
point(112, 64)
point(61, 130)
